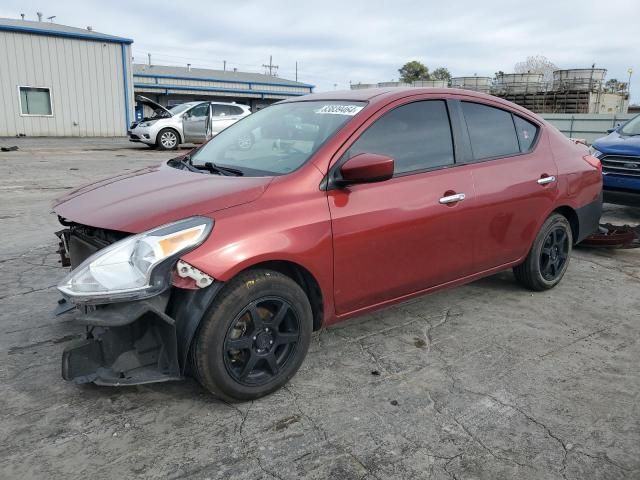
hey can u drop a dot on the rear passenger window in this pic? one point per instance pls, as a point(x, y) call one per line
point(235, 110)
point(491, 131)
point(220, 110)
point(417, 136)
point(527, 132)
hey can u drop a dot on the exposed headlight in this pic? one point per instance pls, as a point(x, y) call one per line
point(136, 267)
point(594, 152)
point(147, 123)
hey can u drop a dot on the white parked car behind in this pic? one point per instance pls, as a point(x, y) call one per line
point(192, 122)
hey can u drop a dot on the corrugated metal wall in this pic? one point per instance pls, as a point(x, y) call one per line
point(588, 126)
point(86, 81)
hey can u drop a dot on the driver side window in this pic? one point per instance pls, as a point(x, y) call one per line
point(417, 136)
point(199, 111)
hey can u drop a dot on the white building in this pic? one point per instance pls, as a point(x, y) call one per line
point(57, 80)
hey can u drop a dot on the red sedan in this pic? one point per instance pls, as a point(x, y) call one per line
point(221, 263)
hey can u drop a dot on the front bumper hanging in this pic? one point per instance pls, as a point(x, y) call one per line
point(133, 343)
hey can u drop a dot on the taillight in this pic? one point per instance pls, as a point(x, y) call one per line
point(593, 161)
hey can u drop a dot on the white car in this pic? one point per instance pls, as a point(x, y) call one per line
point(192, 122)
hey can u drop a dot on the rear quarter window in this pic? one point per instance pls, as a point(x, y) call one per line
point(527, 133)
point(491, 131)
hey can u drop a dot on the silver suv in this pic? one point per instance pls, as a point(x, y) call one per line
point(192, 122)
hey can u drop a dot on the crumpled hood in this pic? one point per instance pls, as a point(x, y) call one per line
point(143, 199)
point(616, 144)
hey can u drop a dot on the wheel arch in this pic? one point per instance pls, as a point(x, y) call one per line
point(303, 277)
point(169, 127)
point(572, 216)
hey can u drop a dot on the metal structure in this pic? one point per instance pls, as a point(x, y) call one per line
point(478, 84)
point(579, 79)
point(416, 84)
point(170, 85)
point(518, 83)
point(57, 80)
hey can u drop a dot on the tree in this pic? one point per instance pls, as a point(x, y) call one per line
point(537, 64)
point(412, 71)
point(614, 86)
point(441, 73)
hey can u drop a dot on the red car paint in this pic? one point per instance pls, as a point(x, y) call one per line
point(366, 245)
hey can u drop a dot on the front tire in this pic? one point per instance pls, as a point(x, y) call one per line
point(549, 256)
point(167, 139)
point(254, 337)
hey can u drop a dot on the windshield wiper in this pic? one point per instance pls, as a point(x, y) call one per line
point(186, 162)
point(219, 169)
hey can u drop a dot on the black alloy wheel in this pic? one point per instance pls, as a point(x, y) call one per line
point(549, 256)
point(261, 340)
point(254, 336)
point(554, 253)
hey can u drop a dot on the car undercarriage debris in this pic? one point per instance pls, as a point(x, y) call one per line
point(613, 236)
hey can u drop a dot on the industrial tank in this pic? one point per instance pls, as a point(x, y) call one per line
point(431, 83)
point(479, 84)
point(586, 79)
point(360, 86)
point(393, 84)
point(518, 83)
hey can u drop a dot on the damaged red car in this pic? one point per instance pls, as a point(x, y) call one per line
point(221, 263)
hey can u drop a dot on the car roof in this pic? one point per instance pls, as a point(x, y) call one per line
point(389, 94)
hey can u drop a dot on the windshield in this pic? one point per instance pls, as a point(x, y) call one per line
point(180, 108)
point(278, 139)
point(632, 127)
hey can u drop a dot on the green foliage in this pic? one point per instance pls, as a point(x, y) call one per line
point(412, 71)
point(441, 73)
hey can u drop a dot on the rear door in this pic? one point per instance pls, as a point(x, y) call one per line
point(515, 181)
point(195, 122)
point(224, 116)
point(408, 233)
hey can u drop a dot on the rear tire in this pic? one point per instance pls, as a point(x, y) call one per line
point(254, 337)
point(167, 139)
point(549, 256)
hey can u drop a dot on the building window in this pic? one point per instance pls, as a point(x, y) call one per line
point(35, 101)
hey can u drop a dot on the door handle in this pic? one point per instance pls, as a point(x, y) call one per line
point(458, 197)
point(545, 180)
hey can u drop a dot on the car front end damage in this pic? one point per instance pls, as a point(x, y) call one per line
point(138, 333)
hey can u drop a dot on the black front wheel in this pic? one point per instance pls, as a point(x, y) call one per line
point(548, 259)
point(255, 336)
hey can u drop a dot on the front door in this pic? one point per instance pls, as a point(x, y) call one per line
point(195, 123)
point(409, 233)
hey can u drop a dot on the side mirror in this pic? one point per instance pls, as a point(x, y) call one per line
point(611, 130)
point(366, 168)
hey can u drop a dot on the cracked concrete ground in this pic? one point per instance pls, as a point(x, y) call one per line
point(485, 381)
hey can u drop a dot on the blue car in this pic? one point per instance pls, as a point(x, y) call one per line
point(619, 153)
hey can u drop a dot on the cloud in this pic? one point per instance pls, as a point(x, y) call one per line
point(335, 41)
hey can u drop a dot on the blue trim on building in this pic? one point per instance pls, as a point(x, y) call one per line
point(125, 75)
point(221, 80)
point(57, 33)
point(216, 89)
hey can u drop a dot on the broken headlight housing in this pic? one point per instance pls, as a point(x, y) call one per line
point(135, 267)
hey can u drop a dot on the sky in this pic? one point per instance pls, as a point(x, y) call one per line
point(337, 42)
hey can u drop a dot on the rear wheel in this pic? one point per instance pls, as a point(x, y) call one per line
point(548, 259)
point(167, 139)
point(255, 336)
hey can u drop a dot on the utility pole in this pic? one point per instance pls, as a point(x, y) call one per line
point(271, 67)
point(149, 55)
point(224, 65)
point(630, 71)
point(296, 71)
